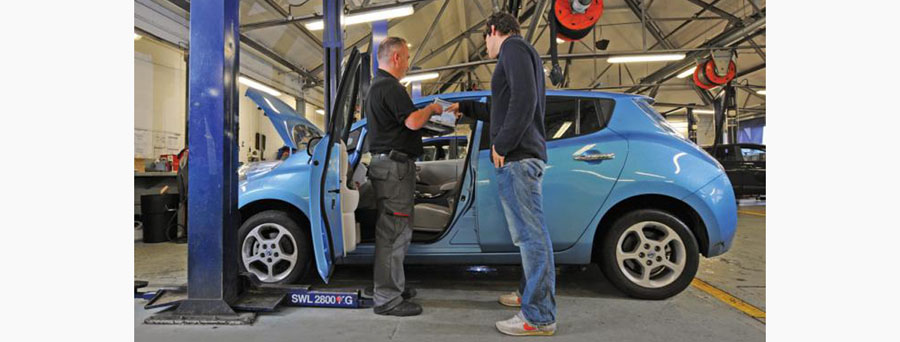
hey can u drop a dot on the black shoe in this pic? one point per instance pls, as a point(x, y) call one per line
point(405, 308)
point(369, 293)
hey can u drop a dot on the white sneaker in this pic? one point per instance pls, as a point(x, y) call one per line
point(517, 326)
point(511, 299)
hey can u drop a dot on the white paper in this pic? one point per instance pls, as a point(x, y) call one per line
point(159, 139)
point(173, 141)
point(142, 144)
point(447, 118)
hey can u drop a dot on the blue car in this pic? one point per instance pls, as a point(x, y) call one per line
point(622, 189)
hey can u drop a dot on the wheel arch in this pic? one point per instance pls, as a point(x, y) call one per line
point(670, 205)
point(259, 206)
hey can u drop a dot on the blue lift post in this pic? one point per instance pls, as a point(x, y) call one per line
point(334, 47)
point(212, 197)
point(379, 33)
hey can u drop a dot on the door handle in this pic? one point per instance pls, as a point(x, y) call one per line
point(593, 156)
point(335, 191)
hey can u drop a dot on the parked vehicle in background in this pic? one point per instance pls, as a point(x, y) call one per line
point(622, 189)
point(745, 165)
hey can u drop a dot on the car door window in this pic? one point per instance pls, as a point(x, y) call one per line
point(593, 114)
point(753, 154)
point(729, 154)
point(560, 117)
point(303, 133)
point(566, 117)
point(353, 139)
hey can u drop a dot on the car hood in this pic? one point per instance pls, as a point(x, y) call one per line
point(283, 117)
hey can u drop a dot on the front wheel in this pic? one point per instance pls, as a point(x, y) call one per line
point(274, 248)
point(649, 254)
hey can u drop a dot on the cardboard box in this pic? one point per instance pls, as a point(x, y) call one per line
point(140, 165)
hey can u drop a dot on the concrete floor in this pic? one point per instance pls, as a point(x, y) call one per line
point(461, 305)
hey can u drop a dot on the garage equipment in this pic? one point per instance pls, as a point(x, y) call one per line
point(570, 20)
point(158, 216)
point(716, 69)
point(264, 298)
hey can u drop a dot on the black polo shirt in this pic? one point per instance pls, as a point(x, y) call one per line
point(387, 107)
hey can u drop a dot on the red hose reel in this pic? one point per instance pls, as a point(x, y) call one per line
point(711, 71)
point(571, 24)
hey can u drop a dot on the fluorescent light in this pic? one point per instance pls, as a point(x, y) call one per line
point(562, 129)
point(320, 111)
point(253, 84)
point(137, 36)
point(419, 77)
point(687, 72)
point(559, 41)
point(646, 58)
point(704, 111)
point(761, 92)
point(366, 17)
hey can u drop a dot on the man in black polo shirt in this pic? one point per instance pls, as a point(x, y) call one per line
point(519, 151)
point(395, 142)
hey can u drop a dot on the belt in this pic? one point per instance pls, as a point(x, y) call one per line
point(395, 155)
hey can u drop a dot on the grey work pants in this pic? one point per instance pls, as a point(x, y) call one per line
point(395, 187)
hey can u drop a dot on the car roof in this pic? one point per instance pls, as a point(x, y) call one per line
point(481, 93)
point(563, 92)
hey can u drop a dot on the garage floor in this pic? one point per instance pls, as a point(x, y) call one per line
point(460, 303)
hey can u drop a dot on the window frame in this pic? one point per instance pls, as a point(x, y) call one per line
point(604, 118)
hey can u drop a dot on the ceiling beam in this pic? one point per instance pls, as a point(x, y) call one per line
point(312, 38)
point(434, 23)
point(579, 55)
point(366, 38)
point(716, 10)
point(262, 49)
point(650, 25)
point(729, 38)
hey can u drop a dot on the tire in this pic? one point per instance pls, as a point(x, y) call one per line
point(672, 266)
point(288, 258)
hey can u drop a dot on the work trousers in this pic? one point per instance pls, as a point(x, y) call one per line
point(395, 187)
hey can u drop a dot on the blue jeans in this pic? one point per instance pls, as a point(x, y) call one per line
point(519, 185)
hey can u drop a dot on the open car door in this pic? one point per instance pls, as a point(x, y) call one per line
point(332, 202)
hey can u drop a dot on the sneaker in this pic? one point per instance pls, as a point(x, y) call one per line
point(405, 308)
point(517, 326)
point(511, 299)
point(369, 293)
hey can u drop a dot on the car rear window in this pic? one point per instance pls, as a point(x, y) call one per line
point(658, 119)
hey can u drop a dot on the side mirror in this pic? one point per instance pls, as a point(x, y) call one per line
point(311, 145)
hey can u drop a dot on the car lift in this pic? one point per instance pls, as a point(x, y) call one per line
point(215, 292)
point(726, 111)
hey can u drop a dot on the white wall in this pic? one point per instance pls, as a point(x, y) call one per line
point(159, 97)
point(159, 102)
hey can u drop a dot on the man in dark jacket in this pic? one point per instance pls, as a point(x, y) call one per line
point(519, 154)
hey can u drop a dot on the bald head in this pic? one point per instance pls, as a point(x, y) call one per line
point(393, 56)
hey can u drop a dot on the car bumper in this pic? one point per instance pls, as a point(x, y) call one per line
point(716, 205)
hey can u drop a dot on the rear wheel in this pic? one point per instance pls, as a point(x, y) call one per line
point(649, 254)
point(274, 248)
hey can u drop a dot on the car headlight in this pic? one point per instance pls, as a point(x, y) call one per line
point(256, 168)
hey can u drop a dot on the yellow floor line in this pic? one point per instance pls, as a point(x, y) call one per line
point(735, 302)
point(755, 213)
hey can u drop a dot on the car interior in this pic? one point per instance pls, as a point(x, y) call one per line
point(438, 179)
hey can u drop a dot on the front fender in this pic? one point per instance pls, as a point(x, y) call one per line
point(254, 195)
